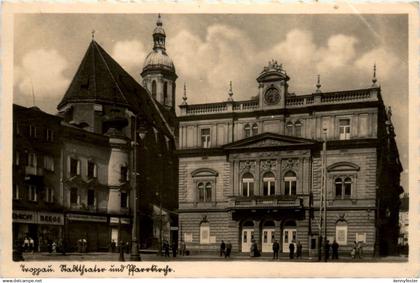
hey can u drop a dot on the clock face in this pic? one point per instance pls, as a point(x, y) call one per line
point(272, 96)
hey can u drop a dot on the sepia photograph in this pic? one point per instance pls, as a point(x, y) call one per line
point(218, 137)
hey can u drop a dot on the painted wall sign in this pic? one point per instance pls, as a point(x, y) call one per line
point(22, 216)
point(89, 218)
point(35, 217)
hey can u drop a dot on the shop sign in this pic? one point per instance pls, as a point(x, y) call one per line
point(173, 228)
point(125, 220)
point(116, 220)
point(90, 218)
point(22, 216)
point(50, 218)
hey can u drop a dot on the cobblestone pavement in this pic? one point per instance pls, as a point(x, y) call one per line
point(92, 257)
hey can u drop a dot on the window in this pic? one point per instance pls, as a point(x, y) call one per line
point(124, 174)
point(154, 89)
point(344, 129)
point(74, 167)
point(289, 129)
point(49, 163)
point(341, 232)
point(343, 187)
point(269, 184)
point(49, 135)
point(32, 160)
point(124, 200)
point(32, 193)
point(165, 93)
point(91, 197)
point(15, 191)
point(205, 138)
point(247, 130)
point(204, 192)
point(49, 194)
point(74, 196)
point(204, 233)
point(91, 169)
point(290, 183)
point(254, 129)
point(17, 158)
point(248, 185)
point(298, 128)
point(32, 131)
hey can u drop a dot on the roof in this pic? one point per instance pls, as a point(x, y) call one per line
point(100, 79)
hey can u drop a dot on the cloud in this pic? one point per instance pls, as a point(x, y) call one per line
point(340, 52)
point(42, 70)
point(130, 54)
point(387, 62)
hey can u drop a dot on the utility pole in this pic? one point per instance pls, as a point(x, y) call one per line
point(322, 236)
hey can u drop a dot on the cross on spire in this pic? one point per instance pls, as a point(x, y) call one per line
point(374, 79)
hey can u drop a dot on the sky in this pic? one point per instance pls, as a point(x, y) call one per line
point(209, 50)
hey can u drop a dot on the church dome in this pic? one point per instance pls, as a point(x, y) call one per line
point(158, 59)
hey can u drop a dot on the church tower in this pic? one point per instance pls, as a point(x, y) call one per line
point(158, 73)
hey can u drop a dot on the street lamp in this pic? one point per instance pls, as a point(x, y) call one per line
point(141, 131)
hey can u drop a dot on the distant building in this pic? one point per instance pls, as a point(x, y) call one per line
point(251, 170)
point(79, 169)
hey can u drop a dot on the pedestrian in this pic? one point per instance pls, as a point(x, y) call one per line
point(121, 250)
point(84, 245)
point(183, 248)
point(327, 250)
point(359, 250)
point(113, 245)
point(26, 244)
point(334, 247)
point(228, 249)
point(166, 248)
point(299, 250)
point(276, 248)
point(252, 254)
point(54, 247)
point(354, 251)
point(174, 248)
point(31, 245)
point(222, 248)
point(49, 246)
point(291, 250)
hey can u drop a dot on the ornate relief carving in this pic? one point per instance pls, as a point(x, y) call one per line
point(291, 163)
point(268, 165)
point(247, 166)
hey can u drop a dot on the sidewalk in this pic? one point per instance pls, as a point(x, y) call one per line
point(198, 257)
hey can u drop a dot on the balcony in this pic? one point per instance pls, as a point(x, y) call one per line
point(279, 201)
point(34, 171)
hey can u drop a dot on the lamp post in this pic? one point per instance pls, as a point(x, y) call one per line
point(322, 238)
point(135, 255)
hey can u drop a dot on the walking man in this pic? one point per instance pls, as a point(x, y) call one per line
point(222, 248)
point(327, 250)
point(276, 248)
point(291, 250)
point(299, 250)
point(335, 250)
point(228, 249)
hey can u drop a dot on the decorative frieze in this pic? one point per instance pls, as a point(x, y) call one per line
point(268, 165)
point(247, 166)
point(291, 163)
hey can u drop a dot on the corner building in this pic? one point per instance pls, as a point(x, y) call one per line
point(251, 170)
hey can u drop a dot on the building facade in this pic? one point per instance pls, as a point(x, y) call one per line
point(110, 149)
point(251, 170)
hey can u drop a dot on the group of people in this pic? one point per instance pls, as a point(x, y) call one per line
point(334, 247)
point(225, 249)
point(292, 247)
point(357, 250)
point(28, 244)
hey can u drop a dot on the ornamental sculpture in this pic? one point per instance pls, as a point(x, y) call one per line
point(268, 165)
point(290, 163)
point(247, 166)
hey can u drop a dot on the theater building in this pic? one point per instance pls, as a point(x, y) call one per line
point(251, 170)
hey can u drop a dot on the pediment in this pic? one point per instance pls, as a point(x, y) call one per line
point(269, 140)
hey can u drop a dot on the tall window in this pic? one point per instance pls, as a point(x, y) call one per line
point(298, 128)
point(32, 131)
point(49, 135)
point(290, 183)
point(154, 89)
point(289, 129)
point(74, 197)
point(205, 138)
point(343, 187)
point(204, 191)
point(32, 160)
point(124, 174)
point(48, 163)
point(124, 200)
point(204, 233)
point(91, 197)
point(269, 184)
point(341, 232)
point(91, 169)
point(74, 167)
point(49, 194)
point(247, 130)
point(15, 191)
point(165, 93)
point(247, 185)
point(32, 193)
point(254, 129)
point(344, 129)
point(17, 158)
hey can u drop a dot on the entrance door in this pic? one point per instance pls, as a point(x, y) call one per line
point(114, 235)
point(247, 237)
point(289, 235)
point(267, 240)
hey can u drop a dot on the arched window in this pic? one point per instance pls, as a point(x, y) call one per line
point(204, 233)
point(254, 129)
point(298, 128)
point(343, 187)
point(154, 89)
point(248, 185)
point(165, 93)
point(200, 188)
point(204, 192)
point(289, 128)
point(290, 183)
point(247, 130)
point(341, 232)
point(269, 184)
